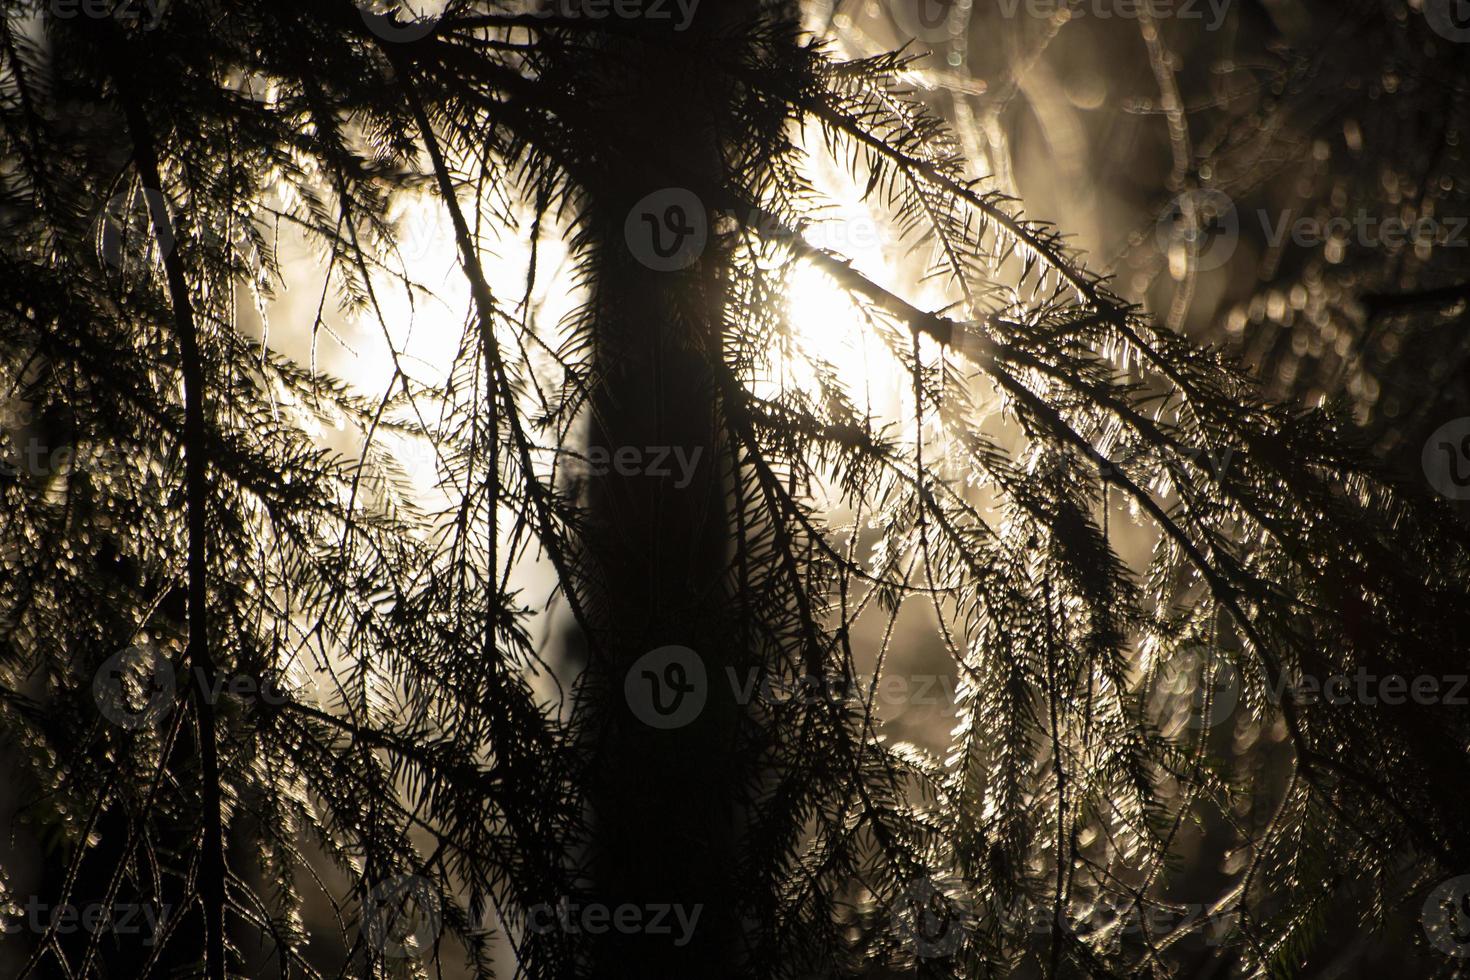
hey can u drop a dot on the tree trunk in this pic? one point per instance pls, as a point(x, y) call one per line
point(665, 772)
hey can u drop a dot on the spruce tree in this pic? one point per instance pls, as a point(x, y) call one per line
point(385, 787)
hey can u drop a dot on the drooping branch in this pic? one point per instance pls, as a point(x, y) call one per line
point(212, 875)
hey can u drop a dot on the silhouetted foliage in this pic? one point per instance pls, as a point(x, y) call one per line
point(395, 746)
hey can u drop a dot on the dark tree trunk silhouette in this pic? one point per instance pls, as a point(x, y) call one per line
point(664, 801)
point(196, 492)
